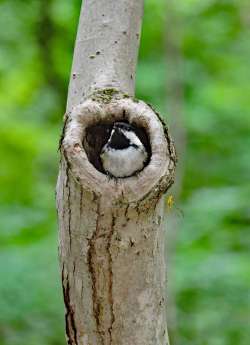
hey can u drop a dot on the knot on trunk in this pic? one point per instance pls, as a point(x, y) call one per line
point(88, 127)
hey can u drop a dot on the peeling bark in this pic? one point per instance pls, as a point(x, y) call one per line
point(111, 231)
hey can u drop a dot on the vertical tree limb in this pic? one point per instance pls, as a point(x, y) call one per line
point(111, 230)
point(106, 48)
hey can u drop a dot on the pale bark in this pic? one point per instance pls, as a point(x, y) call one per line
point(106, 47)
point(111, 231)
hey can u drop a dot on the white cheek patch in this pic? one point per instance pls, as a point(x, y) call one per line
point(133, 138)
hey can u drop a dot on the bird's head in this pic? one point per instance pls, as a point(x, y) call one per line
point(122, 137)
point(124, 154)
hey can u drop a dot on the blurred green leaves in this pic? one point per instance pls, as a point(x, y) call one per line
point(213, 273)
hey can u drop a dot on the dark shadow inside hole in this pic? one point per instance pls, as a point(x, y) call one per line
point(98, 135)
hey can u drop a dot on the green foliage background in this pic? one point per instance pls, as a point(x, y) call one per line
point(207, 63)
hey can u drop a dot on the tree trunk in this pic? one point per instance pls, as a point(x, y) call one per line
point(111, 230)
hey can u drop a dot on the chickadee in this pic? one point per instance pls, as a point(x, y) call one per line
point(124, 154)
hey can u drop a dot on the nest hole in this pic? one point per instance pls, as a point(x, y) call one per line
point(97, 136)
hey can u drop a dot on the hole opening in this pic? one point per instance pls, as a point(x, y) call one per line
point(97, 135)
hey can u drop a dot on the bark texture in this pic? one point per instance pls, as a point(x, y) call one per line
point(106, 47)
point(111, 230)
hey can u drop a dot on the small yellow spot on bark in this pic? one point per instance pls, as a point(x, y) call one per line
point(170, 201)
point(170, 204)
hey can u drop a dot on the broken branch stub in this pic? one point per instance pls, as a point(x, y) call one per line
point(155, 178)
point(111, 230)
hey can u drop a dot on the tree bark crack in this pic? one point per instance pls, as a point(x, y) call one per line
point(99, 253)
point(91, 265)
point(68, 198)
point(71, 329)
point(111, 276)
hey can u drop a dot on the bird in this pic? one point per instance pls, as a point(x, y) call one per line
point(124, 154)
